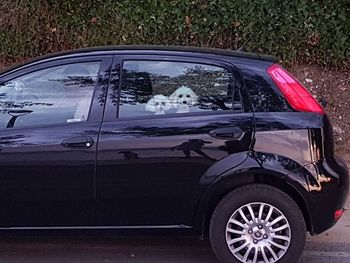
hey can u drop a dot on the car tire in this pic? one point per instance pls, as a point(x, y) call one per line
point(258, 235)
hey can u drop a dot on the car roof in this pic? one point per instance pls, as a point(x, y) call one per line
point(101, 49)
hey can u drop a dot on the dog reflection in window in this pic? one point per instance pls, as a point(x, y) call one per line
point(183, 98)
point(159, 104)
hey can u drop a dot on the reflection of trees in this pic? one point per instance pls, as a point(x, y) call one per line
point(286, 163)
point(202, 80)
point(215, 102)
point(212, 86)
point(77, 81)
point(129, 155)
point(193, 145)
point(140, 131)
point(263, 96)
point(136, 87)
point(235, 146)
point(8, 105)
point(157, 131)
point(114, 83)
point(291, 166)
point(9, 141)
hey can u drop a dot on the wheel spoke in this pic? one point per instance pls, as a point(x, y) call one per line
point(281, 217)
point(278, 245)
point(240, 248)
point(261, 210)
point(279, 228)
point(247, 253)
point(251, 213)
point(233, 231)
point(237, 223)
point(281, 237)
point(243, 216)
point(269, 214)
point(275, 257)
point(255, 255)
point(232, 241)
point(266, 260)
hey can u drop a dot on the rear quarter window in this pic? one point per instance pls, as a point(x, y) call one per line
point(264, 95)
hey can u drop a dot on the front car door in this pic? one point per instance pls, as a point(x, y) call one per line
point(180, 121)
point(50, 118)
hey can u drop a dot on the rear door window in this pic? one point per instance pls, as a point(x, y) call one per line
point(170, 87)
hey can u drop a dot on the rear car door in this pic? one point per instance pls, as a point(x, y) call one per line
point(181, 122)
point(50, 118)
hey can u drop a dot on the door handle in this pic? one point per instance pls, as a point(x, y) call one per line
point(233, 133)
point(83, 142)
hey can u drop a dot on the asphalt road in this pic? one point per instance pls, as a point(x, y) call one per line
point(332, 246)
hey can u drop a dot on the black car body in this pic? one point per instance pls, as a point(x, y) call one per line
point(121, 164)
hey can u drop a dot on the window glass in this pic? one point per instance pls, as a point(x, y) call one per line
point(54, 95)
point(162, 87)
point(262, 94)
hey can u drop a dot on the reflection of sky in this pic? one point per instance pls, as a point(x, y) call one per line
point(86, 69)
point(171, 69)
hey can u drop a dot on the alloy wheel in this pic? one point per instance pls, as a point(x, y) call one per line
point(258, 233)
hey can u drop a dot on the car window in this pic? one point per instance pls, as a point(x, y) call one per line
point(58, 94)
point(263, 96)
point(165, 87)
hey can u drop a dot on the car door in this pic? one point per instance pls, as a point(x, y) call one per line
point(181, 122)
point(50, 118)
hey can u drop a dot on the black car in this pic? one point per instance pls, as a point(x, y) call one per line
point(215, 143)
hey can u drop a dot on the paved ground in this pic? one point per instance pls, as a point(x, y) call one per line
point(142, 250)
point(333, 246)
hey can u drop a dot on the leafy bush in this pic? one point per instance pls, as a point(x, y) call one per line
point(299, 30)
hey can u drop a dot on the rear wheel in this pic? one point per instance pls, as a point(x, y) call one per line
point(257, 224)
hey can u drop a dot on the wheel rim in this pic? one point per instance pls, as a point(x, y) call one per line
point(258, 233)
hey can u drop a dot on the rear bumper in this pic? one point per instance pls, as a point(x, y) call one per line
point(328, 192)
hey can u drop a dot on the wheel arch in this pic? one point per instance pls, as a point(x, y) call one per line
point(218, 190)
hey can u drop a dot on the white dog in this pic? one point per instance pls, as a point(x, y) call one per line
point(158, 104)
point(183, 98)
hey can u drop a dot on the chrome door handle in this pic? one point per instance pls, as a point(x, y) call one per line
point(78, 142)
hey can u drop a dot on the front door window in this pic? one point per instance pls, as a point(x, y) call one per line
point(53, 95)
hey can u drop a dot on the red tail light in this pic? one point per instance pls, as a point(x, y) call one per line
point(338, 214)
point(295, 93)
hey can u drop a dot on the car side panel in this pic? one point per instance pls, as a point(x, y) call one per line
point(149, 171)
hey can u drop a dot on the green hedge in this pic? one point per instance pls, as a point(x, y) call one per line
point(300, 30)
